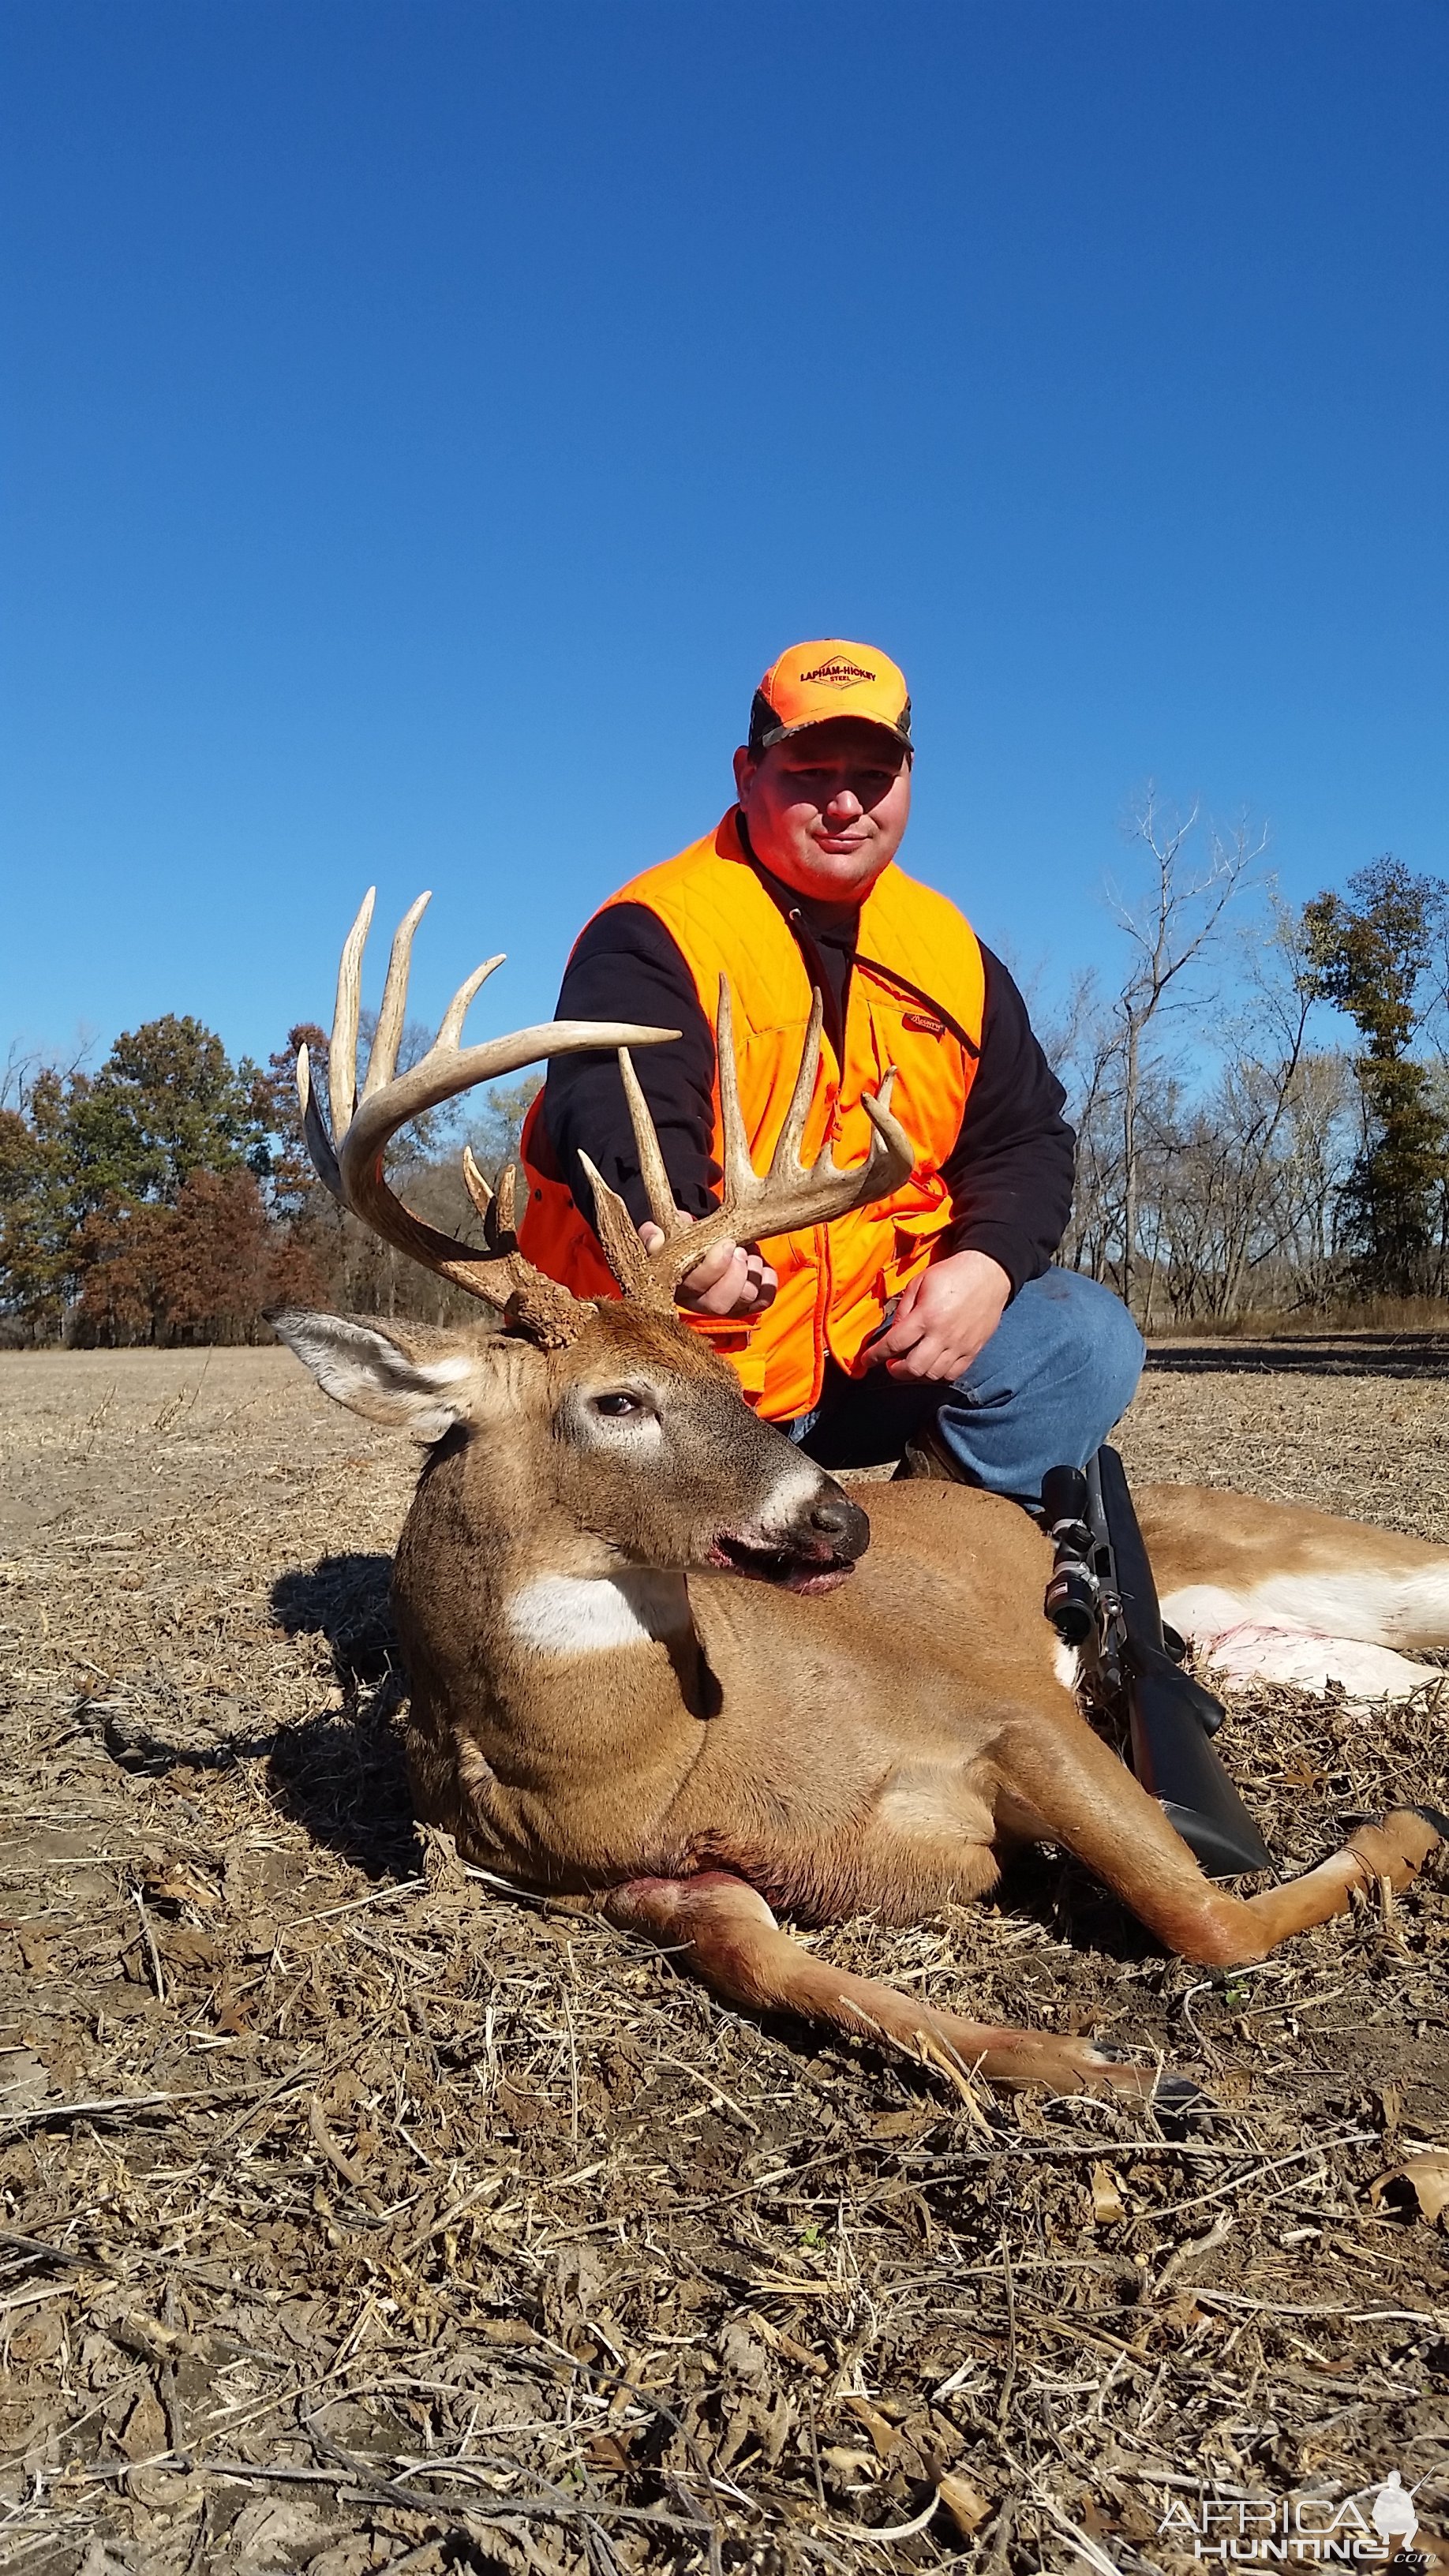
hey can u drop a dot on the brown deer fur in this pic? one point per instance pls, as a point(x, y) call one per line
point(607, 1708)
point(662, 1664)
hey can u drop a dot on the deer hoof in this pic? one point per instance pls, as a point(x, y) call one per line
point(1398, 1848)
point(1176, 2102)
point(1181, 2108)
point(1099, 2068)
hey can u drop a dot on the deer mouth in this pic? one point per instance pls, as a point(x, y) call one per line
point(789, 1569)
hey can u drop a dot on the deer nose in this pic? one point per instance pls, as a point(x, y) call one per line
point(842, 1522)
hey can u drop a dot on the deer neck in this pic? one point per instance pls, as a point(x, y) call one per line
point(553, 1613)
point(543, 1618)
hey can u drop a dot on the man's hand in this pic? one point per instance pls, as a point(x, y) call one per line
point(731, 1279)
point(945, 1318)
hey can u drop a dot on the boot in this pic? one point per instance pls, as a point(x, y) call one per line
point(929, 1455)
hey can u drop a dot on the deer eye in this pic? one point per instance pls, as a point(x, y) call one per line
point(617, 1404)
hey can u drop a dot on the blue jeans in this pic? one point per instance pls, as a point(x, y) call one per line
point(1062, 1364)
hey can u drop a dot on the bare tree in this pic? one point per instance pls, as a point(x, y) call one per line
point(1171, 928)
point(1263, 1082)
point(1241, 1184)
point(21, 1065)
point(1088, 1056)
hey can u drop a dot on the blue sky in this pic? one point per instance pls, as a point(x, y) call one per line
point(422, 422)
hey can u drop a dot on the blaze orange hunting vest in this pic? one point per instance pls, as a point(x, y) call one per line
point(834, 1280)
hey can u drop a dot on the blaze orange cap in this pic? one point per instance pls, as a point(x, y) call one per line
point(815, 683)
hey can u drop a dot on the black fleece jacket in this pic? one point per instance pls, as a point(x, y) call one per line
point(1009, 1173)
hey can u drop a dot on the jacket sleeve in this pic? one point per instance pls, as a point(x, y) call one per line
point(626, 967)
point(1011, 1170)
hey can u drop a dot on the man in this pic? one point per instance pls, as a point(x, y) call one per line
point(931, 1321)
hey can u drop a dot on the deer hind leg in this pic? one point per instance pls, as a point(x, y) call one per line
point(1242, 1637)
point(1283, 1593)
point(1084, 1797)
point(729, 1936)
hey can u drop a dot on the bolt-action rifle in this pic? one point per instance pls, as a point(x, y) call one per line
point(1102, 1599)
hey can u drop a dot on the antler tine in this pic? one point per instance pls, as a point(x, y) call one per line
point(630, 1263)
point(786, 1156)
point(350, 1160)
point(646, 1140)
point(479, 1190)
point(387, 1037)
point(496, 1207)
point(457, 1010)
point(738, 1172)
point(342, 1053)
point(319, 1143)
point(792, 1194)
point(505, 1205)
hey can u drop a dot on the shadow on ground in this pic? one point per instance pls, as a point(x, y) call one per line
point(1331, 1355)
point(345, 1600)
point(341, 1775)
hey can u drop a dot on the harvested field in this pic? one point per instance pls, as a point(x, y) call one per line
point(354, 2214)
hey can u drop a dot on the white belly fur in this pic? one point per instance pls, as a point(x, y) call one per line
point(1247, 1637)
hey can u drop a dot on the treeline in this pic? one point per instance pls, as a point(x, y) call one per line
point(1235, 1157)
point(168, 1198)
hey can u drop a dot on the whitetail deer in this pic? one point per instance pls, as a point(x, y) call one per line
point(654, 1669)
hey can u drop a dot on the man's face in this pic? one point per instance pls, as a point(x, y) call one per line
point(826, 808)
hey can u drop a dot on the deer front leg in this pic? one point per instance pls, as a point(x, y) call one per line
point(729, 1936)
point(1056, 1772)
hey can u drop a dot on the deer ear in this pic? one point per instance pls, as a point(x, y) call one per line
point(419, 1380)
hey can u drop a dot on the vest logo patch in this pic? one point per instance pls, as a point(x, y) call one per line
point(837, 673)
point(923, 1021)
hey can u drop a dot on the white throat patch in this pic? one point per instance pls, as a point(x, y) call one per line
point(581, 1614)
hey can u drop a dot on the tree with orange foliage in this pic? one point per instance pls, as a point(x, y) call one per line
point(203, 1270)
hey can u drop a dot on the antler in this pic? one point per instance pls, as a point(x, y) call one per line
point(789, 1196)
point(349, 1161)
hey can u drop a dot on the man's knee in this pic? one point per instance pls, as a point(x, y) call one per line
point(1063, 1328)
point(1061, 1367)
point(1099, 1338)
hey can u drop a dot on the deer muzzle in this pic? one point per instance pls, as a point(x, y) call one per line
point(812, 1550)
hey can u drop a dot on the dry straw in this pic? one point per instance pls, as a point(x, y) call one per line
point(357, 2216)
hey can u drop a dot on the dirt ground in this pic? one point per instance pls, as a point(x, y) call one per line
point(355, 2214)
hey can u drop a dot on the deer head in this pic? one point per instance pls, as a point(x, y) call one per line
point(610, 1426)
